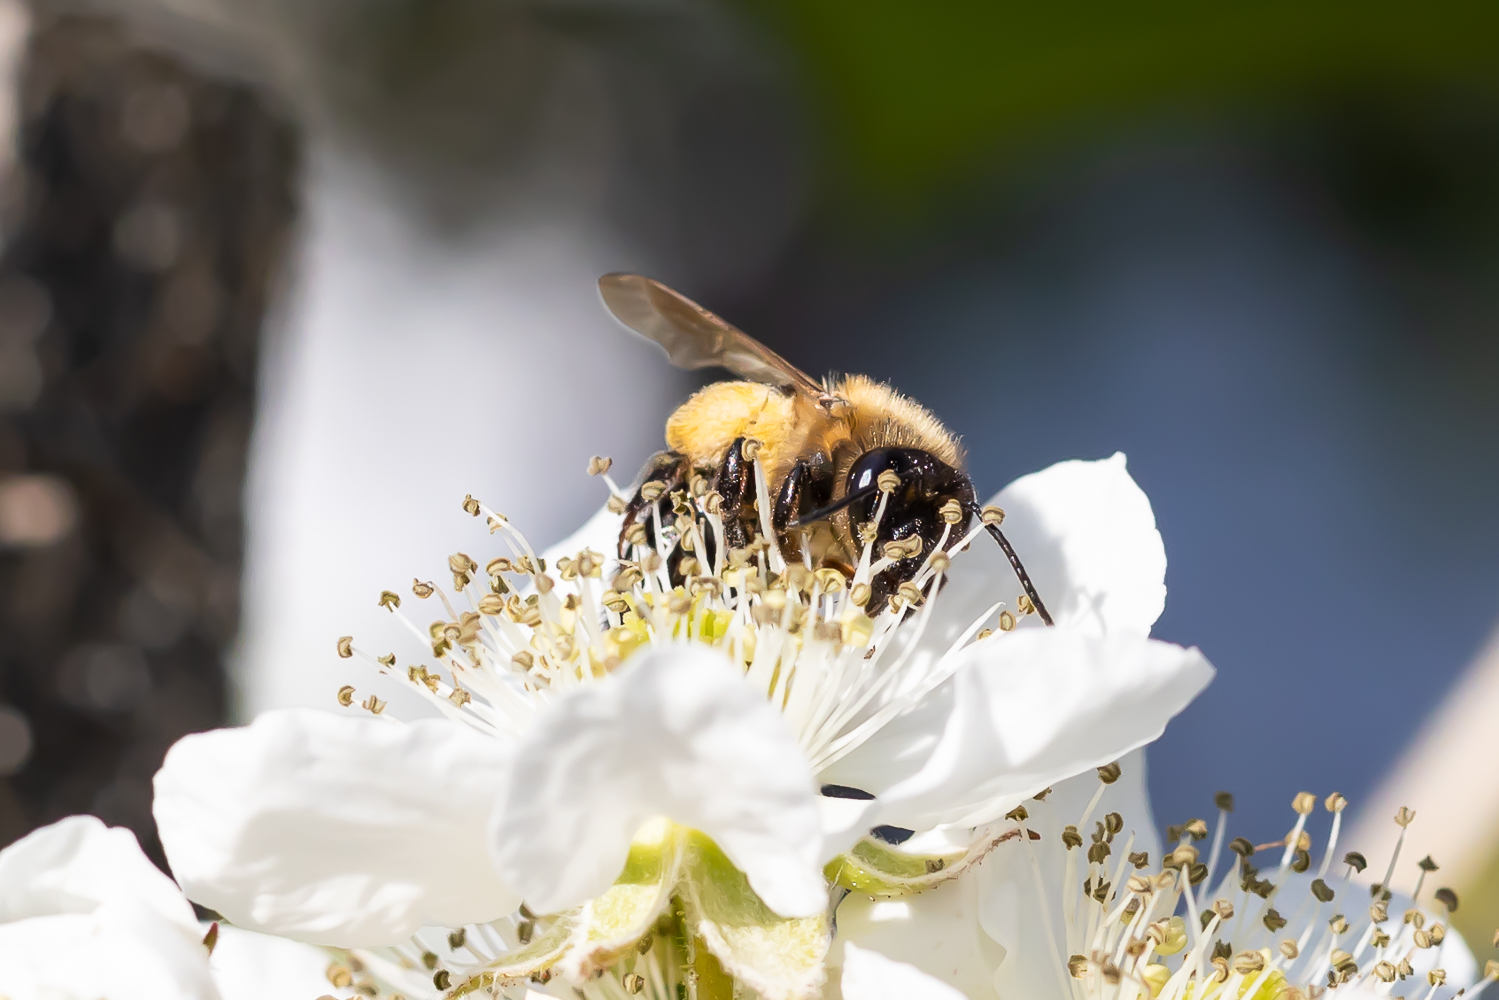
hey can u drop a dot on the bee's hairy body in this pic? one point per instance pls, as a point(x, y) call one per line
point(842, 464)
point(799, 437)
point(789, 426)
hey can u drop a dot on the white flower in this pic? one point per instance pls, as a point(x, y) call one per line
point(84, 915)
point(1079, 907)
point(626, 746)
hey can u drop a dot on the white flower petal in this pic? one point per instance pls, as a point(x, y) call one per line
point(124, 949)
point(936, 931)
point(1087, 536)
point(897, 750)
point(844, 821)
point(1452, 955)
point(599, 533)
point(84, 914)
point(676, 733)
point(868, 975)
point(1035, 707)
point(1009, 910)
point(251, 966)
point(335, 830)
point(78, 863)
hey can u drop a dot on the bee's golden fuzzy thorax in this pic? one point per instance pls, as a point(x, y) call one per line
point(883, 418)
point(714, 417)
point(790, 426)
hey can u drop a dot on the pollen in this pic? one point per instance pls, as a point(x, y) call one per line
point(1198, 930)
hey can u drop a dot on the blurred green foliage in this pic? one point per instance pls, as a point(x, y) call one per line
point(912, 97)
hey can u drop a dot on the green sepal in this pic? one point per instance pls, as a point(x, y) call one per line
point(876, 869)
point(777, 957)
point(611, 924)
point(543, 952)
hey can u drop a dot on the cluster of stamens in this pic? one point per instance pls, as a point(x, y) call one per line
point(1172, 933)
point(517, 632)
point(659, 967)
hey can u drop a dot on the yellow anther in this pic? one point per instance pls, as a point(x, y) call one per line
point(346, 646)
point(992, 515)
point(651, 491)
point(346, 695)
point(830, 580)
point(1006, 622)
point(1155, 977)
point(599, 464)
point(888, 482)
point(952, 512)
point(470, 505)
point(390, 599)
point(1304, 803)
point(1183, 856)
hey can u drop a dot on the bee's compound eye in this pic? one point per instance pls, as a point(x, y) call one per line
point(864, 474)
point(926, 483)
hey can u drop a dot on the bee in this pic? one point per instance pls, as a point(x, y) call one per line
point(810, 462)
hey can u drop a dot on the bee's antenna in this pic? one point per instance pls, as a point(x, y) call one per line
point(1015, 564)
point(834, 507)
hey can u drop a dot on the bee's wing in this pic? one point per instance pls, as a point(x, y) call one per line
point(695, 338)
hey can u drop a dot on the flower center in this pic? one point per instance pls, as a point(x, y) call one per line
point(531, 632)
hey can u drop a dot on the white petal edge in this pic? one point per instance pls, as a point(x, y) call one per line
point(844, 822)
point(78, 863)
point(83, 913)
point(1087, 536)
point(1034, 707)
point(677, 733)
point(124, 950)
point(335, 830)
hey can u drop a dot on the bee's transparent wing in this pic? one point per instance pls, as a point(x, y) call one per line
point(695, 338)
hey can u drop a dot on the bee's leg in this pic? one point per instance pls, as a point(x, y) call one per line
point(668, 467)
point(808, 487)
point(735, 483)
